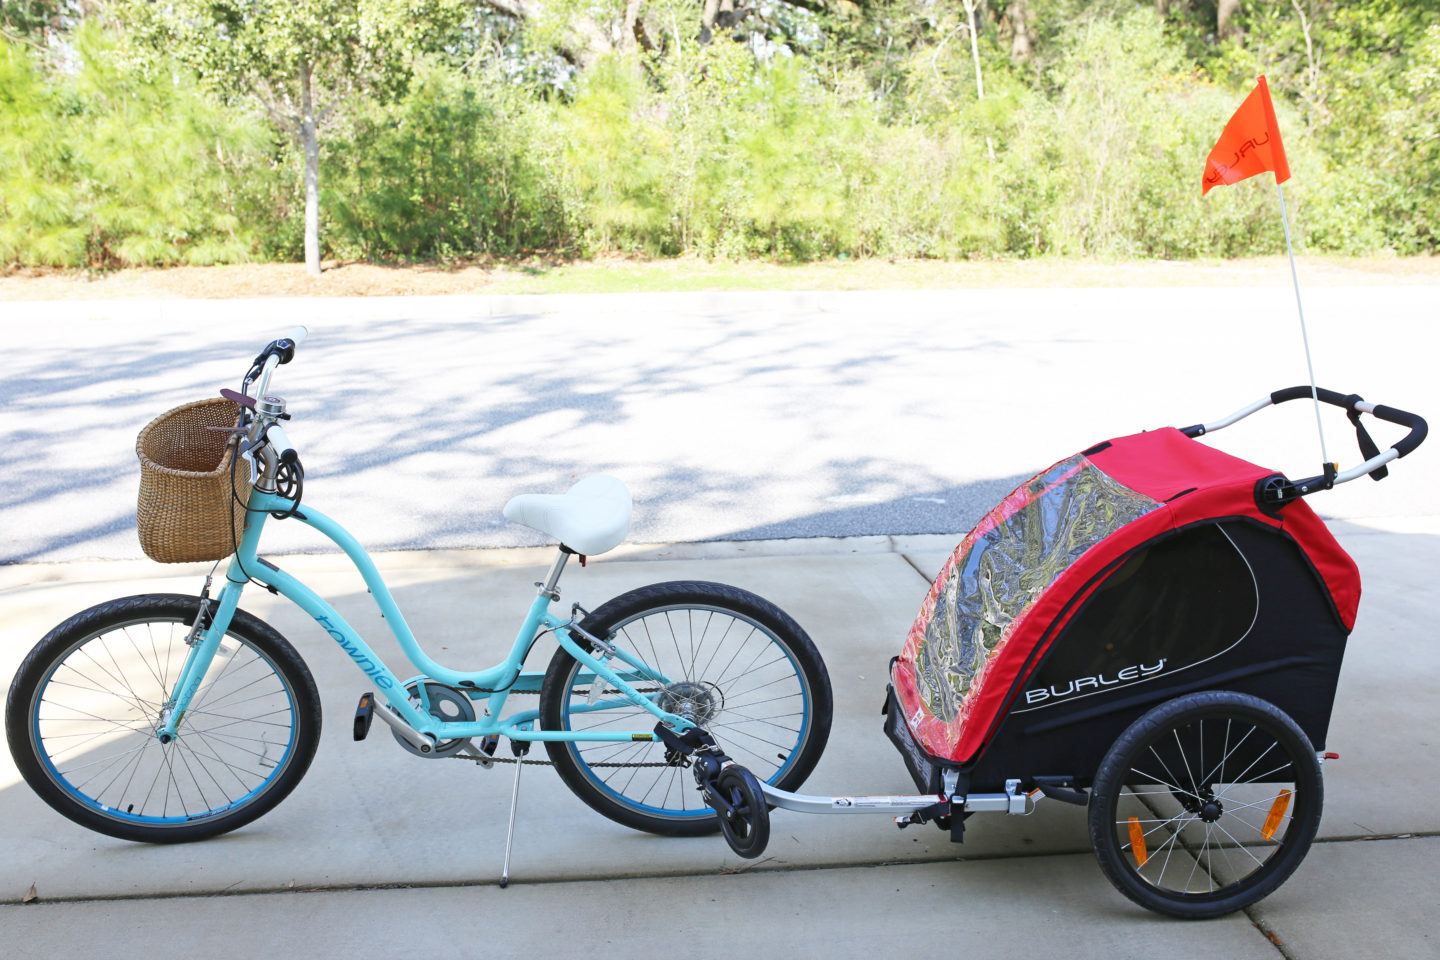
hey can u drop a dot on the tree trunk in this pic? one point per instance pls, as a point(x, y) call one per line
point(970, 6)
point(707, 20)
point(629, 38)
point(1021, 43)
point(310, 143)
point(1225, 11)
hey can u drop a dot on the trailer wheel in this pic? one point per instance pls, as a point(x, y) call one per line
point(747, 824)
point(1205, 804)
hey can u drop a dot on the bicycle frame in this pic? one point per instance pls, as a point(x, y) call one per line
point(493, 685)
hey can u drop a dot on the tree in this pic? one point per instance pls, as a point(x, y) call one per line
point(301, 59)
point(37, 22)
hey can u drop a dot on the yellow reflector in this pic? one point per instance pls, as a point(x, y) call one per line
point(1137, 842)
point(1277, 813)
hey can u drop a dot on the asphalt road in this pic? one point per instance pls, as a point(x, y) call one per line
point(730, 416)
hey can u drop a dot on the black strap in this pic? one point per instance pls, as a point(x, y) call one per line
point(1368, 449)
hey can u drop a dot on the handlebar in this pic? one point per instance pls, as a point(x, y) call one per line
point(282, 472)
point(1354, 406)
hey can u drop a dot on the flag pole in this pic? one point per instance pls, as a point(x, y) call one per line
point(1305, 337)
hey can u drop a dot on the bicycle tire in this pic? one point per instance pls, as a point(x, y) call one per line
point(83, 709)
point(1232, 835)
point(763, 661)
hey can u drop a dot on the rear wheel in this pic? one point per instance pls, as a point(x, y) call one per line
point(85, 707)
point(1205, 804)
point(734, 662)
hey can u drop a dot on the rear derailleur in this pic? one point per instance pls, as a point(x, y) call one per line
point(732, 791)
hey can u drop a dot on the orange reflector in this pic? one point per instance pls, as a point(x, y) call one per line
point(1277, 813)
point(1137, 842)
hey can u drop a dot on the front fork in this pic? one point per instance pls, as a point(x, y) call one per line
point(212, 621)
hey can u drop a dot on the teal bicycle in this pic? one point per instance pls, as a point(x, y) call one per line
point(165, 718)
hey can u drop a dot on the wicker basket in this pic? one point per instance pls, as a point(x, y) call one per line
point(186, 511)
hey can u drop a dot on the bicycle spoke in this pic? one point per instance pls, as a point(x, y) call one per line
point(1240, 779)
point(1218, 774)
point(1240, 846)
point(719, 645)
point(741, 732)
point(149, 665)
point(1169, 786)
point(97, 712)
point(1194, 787)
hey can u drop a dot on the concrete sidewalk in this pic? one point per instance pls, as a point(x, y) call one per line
point(381, 854)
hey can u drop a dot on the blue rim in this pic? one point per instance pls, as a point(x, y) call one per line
point(121, 816)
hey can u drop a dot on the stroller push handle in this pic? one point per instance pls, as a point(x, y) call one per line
point(1354, 406)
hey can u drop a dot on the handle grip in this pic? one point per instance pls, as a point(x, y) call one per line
point(1415, 424)
point(1355, 406)
point(283, 349)
point(1303, 393)
point(276, 435)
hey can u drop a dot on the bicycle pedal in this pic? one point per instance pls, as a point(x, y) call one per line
point(489, 744)
point(364, 713)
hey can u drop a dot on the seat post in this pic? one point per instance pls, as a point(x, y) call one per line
point(550, 587)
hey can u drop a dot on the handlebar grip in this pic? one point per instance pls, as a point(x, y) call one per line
point(1417, 426)
point(1303, 393)
point(1355, 406)
point(276, 435)
point(283, 349)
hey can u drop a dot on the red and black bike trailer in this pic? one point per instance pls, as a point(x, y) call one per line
point(1152, 628)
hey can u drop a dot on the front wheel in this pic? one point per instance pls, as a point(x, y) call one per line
point(734, 662)
point(1205, 804)
point(85, 707)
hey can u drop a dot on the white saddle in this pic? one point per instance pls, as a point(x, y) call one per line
point(591, 518)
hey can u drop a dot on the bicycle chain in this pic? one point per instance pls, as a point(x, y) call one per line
point(551, 763)
point(483, 758)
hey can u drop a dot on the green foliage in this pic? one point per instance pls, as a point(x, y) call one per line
point(1129, 131)
point(103, 166)
point(790, 133)
point(259, 47)
point(36, 222)
point(1361, 75)
point(616, 158)
point(453, 169)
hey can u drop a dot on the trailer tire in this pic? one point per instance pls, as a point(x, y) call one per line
point(1205, 804)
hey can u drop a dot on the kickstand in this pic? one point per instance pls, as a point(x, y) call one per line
point(519, 748)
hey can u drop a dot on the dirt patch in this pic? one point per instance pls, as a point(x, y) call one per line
point(251, 280)
point(626, 275)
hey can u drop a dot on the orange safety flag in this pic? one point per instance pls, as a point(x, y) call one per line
point(1250, 144)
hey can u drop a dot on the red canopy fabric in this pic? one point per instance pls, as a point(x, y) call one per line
point(1164, 481)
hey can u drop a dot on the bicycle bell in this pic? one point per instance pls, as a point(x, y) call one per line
point(270, 407)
